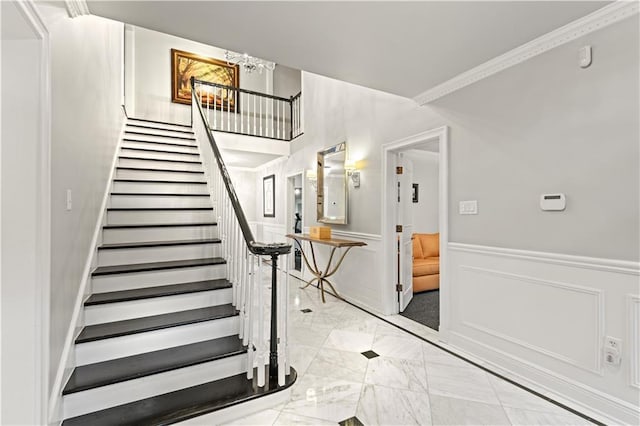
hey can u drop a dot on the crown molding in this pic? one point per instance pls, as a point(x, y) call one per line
point(77, 8)
point(595, 21)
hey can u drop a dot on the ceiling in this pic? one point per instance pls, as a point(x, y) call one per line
point(403, 48)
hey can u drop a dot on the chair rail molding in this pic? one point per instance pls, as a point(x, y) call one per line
point(608, 15)
point(76, 8)
point(584, 262)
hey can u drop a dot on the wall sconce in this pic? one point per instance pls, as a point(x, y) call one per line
point(352, 166)
point(313, 179)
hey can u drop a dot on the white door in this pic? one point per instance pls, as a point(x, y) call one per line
point(404, 222)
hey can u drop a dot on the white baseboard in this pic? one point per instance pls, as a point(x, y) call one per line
point(67, 361)
point(505, 302)
point(571, 393)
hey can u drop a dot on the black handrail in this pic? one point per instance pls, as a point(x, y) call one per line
point(257, 248)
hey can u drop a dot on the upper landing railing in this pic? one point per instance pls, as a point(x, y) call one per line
point(245, 112)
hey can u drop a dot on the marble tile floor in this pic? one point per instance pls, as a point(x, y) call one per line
point(409, 382)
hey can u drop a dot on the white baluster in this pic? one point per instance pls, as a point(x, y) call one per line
point(260, 324)
point(260, 101)
point(235, 110)
point(284, 119)
point(215, 104)
point(252, 317)
point(285, 335)
point(228, 110)
point(254, 115)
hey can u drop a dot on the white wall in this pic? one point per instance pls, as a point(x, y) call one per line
point(22, 385)
point(425, 174)
point(86, 121)
point(545, 125)
point(152, 70)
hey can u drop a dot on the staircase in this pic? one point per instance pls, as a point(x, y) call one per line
point(161, 338)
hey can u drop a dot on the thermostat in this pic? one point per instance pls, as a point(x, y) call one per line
point(553, 202)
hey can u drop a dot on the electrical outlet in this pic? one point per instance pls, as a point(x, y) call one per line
point(612, 350)
point(468, 207)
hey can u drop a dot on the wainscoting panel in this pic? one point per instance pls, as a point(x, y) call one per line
point(538, 313)
point(544, 317)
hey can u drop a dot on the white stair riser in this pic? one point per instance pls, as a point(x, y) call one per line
point(159, 187)
point(120, 347)
point(185, 149)
point(120, 201)
point(131, 235)
point(132, 390)
point(182, 140)
point(156, 164)
point(154, 130)
point(110, 312)
point(124, 152)
point(157, 254)
point(136, 217)
point(168, 126)
point(117, 282)
point(157, 175)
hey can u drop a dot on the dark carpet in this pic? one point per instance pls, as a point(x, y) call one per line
point(425, 309)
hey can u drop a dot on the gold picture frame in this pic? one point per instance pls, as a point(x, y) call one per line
point(185, 65)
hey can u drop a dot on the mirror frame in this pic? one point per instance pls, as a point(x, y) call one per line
point(341, 147)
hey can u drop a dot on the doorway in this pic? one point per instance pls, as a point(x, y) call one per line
point(415, 217)
point(294, 220)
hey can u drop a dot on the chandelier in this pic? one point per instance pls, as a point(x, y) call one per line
point(249, 63)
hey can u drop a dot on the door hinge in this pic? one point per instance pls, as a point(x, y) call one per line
point(398, 228)
point(399, 170)
point(398, 287)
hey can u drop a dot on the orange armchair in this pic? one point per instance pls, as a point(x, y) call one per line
point(426, 262)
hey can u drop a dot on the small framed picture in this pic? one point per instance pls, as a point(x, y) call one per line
point(414, 196)
point(268, 196)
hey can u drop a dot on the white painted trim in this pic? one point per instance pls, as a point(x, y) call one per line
point(387, 235)
point(595, 21)
point(633, 321)
point(599, 331)
point(594, 263)
point(29, 11)
point(77, 8)
point(356, 235)
point(67, 360)
point(584, 399)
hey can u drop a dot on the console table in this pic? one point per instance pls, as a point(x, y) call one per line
point(319, 275)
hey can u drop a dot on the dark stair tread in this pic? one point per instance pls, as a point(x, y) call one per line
point(108, 330)
point(145, 169)
point(159, 150)
point(159, 159)
point(161, 194)
point(105, 373)
point(158, 122)
point(160, 143)
point(185, 403)
point(144, 126)
point(158, 244)
point(159, 291)
point(159, 136)
point(154, 266)
point(159, 225)
point(150, 209)
point(188, 182)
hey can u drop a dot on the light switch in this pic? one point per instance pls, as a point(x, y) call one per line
point(468, 207)
point(69, 204)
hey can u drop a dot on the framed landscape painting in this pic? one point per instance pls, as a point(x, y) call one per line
point(185, 65)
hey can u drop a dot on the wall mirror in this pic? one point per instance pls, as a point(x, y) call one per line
point(332, 185)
